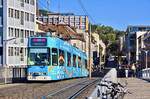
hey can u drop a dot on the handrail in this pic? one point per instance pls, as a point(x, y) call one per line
point(110, 76)
point(145, 73)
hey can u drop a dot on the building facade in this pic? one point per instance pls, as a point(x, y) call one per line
point(17, 23)
point(145, 50)
point(132, 42)
point(80, 22)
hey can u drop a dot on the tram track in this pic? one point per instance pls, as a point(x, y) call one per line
point(72, 91)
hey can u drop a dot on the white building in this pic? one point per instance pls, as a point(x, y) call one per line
point(133, 33)
point(17, 22)
point(77, 21)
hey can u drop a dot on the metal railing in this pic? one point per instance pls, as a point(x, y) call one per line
point(110, 76)
point(145, 73)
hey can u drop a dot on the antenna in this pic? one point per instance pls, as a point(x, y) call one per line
point(48, 5)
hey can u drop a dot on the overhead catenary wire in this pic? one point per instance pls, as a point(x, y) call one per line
point(85, 11)
point(42, 5)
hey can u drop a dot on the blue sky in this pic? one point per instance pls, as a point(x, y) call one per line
point(116, 13)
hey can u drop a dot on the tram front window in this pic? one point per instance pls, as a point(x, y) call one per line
point(39, 56)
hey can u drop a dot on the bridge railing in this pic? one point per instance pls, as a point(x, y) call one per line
point(145, 73)
point(110, 76)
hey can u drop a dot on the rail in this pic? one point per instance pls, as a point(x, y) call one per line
point(78, 88)
point(145, 74)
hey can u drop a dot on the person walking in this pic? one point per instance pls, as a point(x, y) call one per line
point(133, 68)
point(126, 72)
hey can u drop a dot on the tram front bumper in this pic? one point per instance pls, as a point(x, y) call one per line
point(38, 78)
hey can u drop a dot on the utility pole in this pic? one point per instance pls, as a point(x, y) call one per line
point(90, 68)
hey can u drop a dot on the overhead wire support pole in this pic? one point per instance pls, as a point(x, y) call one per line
point(90, 67)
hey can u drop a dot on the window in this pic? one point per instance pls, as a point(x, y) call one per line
point(39, 56)
point(26, 16)
point(27, 1)
point(17, 32)
point(54, 57)
point(9, 51)
point(22, 3)
point(1, 20)
point(31, 33)
point(1, 2)
point(85, 63)
point(32, 2)
point(25, 51)
point(27, 33)
point(32, 17)
point(79, 62)
point(74, 61)
point(61, 58)
point(11, 13)
point(22, 33)
point(22, 54)
point(15, 52)
point(11, 32)
point(16, 13)
point(22, 18)
point(68, 59)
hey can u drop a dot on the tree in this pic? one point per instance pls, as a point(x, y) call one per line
point(109, 36)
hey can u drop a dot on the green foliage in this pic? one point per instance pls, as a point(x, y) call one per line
point(109, 36)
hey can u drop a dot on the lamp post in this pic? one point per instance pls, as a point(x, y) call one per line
point(146, 52)
point(5, 59)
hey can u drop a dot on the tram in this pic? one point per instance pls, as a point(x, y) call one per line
point(50, 58)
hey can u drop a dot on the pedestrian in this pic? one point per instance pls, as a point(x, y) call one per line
point(133, 68)
point(126, 72)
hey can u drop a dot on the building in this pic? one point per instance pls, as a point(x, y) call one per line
point(17, 23)
point(132, 47)
point(80, 22)
point(144, 40)
point(98, 48)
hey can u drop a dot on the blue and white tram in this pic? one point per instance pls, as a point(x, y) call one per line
point(51, 58)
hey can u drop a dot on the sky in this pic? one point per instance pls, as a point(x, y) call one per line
point(116, 13)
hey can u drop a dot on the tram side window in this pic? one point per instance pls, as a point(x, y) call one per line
point(68, 59)
point(74, 61)
point(86, 64)
point(79, 62)
point(54, 57)
point(61, 58)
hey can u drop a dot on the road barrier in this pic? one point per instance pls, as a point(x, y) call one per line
point(110, 76)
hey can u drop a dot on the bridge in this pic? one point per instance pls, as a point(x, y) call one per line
point(139, 87)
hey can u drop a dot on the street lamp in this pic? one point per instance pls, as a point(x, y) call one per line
point(4, 59)
point(146, 52)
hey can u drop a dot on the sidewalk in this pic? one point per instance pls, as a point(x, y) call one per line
point(2, 85)
point(140, 89)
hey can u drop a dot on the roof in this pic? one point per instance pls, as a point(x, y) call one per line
point(66, 32)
